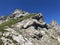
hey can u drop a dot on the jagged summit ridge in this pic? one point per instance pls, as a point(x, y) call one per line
point(18, 13)
point(23, 28)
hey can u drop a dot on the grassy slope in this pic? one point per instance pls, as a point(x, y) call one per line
point(13, 21)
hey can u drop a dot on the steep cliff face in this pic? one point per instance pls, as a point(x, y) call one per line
point(23, 28)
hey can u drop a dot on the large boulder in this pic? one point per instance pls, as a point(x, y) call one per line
point(3, 17)
point(30, 22)
point(34, 22)
point(18, 13)
point(38, 17)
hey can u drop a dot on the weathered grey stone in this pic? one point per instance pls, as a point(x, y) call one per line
point(34, 22)
point(32, 31)
point(54, 23)
point(18, 13)
point(39, 17)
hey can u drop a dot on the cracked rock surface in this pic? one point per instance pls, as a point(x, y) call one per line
point(28, 31)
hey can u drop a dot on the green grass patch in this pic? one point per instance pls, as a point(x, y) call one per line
point(13, 21)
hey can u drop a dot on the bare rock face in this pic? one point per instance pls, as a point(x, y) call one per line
point(31, 31)
point(54, 23)
point(36, 21)
point(39, 17)
point(18, 13)
point(3, 19)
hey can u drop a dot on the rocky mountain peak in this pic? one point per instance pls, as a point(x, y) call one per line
point(23, 28)
point(54, 23)
point(18, 13)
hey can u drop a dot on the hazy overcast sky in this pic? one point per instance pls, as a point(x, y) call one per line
point(49, 8)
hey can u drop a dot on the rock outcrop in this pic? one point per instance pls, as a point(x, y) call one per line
point(18, 13)
point(20, 30)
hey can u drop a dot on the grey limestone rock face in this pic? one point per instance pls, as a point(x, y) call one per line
point(31, 31)
point(38, 17)
point(18, 13)
point(54, 23)
point(34, 21)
